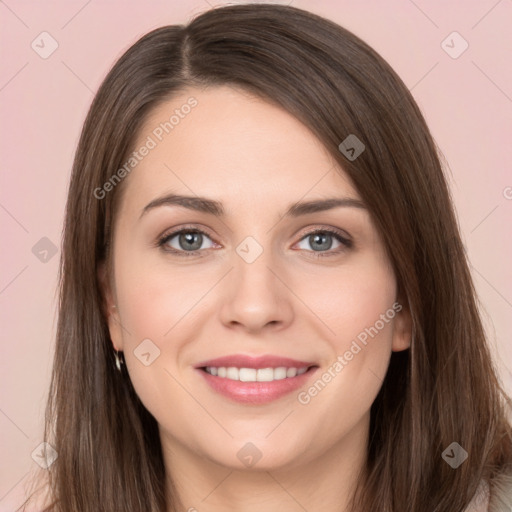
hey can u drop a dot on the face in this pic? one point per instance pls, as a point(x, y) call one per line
point(254, 330)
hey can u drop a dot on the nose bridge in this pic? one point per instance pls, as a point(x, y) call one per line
point(253, 273)
point(256, 294)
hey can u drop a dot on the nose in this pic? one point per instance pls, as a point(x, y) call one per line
point(255, 297)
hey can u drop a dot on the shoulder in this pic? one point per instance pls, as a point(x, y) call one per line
point(497, 498)
point(501, 493)
point(480, 501)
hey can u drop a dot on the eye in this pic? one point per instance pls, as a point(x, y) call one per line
point(321, 241)
point(184, 242)
point(189, 242)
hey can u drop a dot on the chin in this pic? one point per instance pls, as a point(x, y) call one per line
point(250, 454)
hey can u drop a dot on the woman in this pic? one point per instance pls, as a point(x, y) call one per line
point(264, 297)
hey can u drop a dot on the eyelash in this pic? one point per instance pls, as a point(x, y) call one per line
point(348, 244)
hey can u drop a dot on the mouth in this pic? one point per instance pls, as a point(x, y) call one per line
point(253, 374)
point(255, 380)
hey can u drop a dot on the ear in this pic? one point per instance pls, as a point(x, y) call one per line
point(109, 308)
point(402, 331)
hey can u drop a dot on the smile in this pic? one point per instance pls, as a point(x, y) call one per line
point(253, 374)
point(255, 380)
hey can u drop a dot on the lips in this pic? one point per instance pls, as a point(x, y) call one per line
point(245, 361)
point(255, 379)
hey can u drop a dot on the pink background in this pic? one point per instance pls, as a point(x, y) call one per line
point(467, 102)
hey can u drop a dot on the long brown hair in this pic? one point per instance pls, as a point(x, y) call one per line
point(443, 389)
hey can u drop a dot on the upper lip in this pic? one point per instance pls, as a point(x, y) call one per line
point(247, 361)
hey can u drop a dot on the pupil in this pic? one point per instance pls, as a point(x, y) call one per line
point(188, 239)
point(321, 239)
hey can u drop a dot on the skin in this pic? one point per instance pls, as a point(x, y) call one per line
point(256, 159)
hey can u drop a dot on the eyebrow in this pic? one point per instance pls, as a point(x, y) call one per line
point(212, 207)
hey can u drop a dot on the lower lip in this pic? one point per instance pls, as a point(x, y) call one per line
point(256, 392)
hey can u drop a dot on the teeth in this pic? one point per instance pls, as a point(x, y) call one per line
point(233, 373)
point(265, 375)
point(291, 372)
point(247, 374)
point(280, 373)
point(255, 375)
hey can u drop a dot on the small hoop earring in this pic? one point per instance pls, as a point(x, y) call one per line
point(119, 360)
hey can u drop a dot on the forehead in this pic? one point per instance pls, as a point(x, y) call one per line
point(227, 144)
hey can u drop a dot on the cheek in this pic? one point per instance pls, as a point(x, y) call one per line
point(159, 299)
point(350, 298)
point(344, 391)
point(357, 303)
point(161, 311)
point(156, 307)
